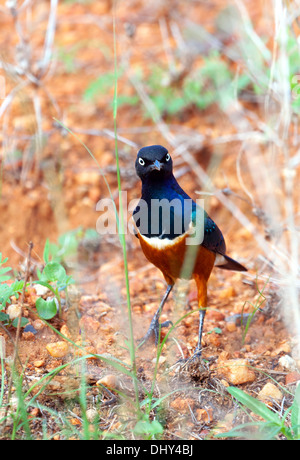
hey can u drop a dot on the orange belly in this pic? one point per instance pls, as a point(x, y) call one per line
point(177, 259)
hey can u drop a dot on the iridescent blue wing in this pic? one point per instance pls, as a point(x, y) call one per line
point(212, 237)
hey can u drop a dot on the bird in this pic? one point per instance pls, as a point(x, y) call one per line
point(175, 234)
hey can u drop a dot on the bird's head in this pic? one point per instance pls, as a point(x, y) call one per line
point(153, 162)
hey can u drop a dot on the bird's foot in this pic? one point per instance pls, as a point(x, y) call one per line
point(194, 365)
point(196, 357)
point(154, 328)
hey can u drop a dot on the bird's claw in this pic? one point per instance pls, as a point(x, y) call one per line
point(154, 328)
point(195, 359)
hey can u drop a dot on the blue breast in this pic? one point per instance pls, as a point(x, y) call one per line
point(166, 211)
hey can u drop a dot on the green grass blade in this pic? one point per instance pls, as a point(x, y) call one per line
point(258, 407)
point(252, 431)
point(295, 414)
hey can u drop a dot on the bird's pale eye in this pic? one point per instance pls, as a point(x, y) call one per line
point(141, 161)
point(168, 157)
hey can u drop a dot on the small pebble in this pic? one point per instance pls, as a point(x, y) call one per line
point(89, 324)
point(58, 349)
point(215, 315)
point(161, 360)
point(40, 290)
point(28, 335)
point(13, 311)
point(270, 392)
point(35, 412)
point(287, 362)
point(237, 371)
point(231, 326)
point(292, 377)
point(92, 415)
point(227, 293)
point(30, 328)
point(204, 415)
point(110, 381)
point(65, 331)
point(182, 405)
point(38, 324)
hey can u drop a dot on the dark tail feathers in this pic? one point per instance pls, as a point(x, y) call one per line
point(231, 264)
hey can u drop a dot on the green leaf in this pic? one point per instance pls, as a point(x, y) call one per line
point(3, 270)
point(295, 414)
point(4, 278)
point(24, 321)
point(53, 271)
point(17, 286)
point(258, 407)
point(46, 309)
point(3, 316)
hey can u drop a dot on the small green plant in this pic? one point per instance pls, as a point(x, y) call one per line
point(102, 85)
point(212, 83)
point(148, 429)
point(145, 427)
point(273, 424)
point(55, 278)
point(7, 291)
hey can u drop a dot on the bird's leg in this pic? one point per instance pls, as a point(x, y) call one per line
point(198, 349)
point(195, 361)
point(202, 304)
point(155, 325)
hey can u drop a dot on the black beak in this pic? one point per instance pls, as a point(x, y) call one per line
point(156, 165)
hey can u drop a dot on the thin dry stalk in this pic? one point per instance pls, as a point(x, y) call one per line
point(18, 332)
point(26, 71)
